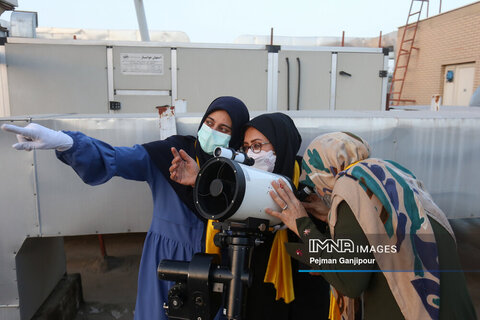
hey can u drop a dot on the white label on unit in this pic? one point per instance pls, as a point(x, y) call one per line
point(141, 64)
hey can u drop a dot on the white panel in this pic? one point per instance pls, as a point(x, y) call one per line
point(363, 89)
point(314, 82)
point(333, 81)
point(56, 79)
point(143, 80)
point(117, 206)
point(465, 76)
point(205, 74)
point(271, 106)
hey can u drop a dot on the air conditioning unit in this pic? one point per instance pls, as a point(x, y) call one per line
point(23, 24)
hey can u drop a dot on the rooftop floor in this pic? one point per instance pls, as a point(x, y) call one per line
point(110, 284)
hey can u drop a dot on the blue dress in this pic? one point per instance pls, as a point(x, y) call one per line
point(175, 232)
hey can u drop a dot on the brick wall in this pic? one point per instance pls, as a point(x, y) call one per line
point(450, 38)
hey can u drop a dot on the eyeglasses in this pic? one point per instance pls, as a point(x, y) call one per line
point(256, 147)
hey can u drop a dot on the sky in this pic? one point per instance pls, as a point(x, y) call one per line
point(222, 21)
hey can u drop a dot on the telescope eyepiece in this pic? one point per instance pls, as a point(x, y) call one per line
point(234, 155)
point(217, 152)
point(303, 193)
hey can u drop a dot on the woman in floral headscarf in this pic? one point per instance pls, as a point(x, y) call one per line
point(381, 206)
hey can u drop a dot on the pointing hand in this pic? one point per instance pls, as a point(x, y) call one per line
point(35, 136)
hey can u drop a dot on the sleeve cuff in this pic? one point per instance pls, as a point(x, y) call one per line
point(72, 149)
point(307, 229)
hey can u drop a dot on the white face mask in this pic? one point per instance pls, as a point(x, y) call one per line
point(264, 160)
point(209, 139)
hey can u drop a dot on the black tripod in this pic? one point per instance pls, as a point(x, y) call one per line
point(201, 283)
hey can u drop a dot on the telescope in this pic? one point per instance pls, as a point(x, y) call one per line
point(303, 190)
point(236, 195)
point(228, 190)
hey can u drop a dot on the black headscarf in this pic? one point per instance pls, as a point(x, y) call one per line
point(282, 133)
point(239, 115)
point(161, 154)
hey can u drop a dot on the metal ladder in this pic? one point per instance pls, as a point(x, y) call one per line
point(404, 53)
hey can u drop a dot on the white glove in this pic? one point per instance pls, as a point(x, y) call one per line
point(35, 136)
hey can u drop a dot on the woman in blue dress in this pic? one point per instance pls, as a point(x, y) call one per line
point(176, 231)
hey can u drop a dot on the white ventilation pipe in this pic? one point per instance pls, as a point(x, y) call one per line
point(142, 20)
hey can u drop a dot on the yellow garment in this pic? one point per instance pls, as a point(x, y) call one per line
point(210, 247)
point(281, 277)
point(296, 174)
point(334, 313)
point(279, 268)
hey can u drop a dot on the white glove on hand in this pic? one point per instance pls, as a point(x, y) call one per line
point(35, 136)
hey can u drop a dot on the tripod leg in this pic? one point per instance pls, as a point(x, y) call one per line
point(238, 260)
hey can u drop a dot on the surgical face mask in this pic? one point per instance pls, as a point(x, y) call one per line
point(264, 160)
point(209, 139)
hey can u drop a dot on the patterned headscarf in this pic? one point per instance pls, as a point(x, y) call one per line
point(392, 208)
point(329, 154)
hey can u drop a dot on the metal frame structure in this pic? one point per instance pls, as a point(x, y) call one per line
point(5, 97)
point(272, 85)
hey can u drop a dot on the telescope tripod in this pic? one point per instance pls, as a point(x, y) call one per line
point(201, 283)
